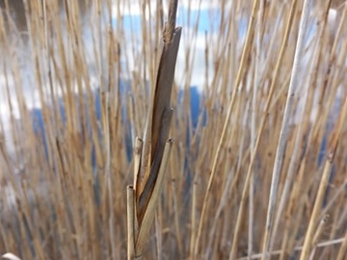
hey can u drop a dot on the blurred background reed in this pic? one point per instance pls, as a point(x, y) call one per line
point(61, 60)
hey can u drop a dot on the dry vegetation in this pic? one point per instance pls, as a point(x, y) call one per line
point(266, 172)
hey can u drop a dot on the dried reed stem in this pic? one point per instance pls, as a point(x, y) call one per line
point(74, 93)
point(299, 248)
point(244, 56)
point(149, 172)
point(343, 249)
point(309, 236)
point(294, 82)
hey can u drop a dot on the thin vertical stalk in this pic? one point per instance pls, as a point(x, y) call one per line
point(225, 127)
point(343, 249)
point(309, 236)
point(294, 82)
point(236, 234)
point(254, 127)
point(130, 222)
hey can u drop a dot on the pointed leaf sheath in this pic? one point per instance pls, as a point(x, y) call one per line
point(160, 120)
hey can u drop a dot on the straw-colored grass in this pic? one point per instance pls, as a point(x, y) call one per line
point(261, 174)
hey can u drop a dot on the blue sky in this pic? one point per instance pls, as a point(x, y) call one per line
point(204, 22)
point(208, 20)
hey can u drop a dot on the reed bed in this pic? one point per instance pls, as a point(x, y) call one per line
point(259, 173)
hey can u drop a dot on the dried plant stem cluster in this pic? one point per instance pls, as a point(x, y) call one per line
point(152, 155)
point(258, 165)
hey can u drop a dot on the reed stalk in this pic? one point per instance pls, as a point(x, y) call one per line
point(149, 174)
point(232, 173)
